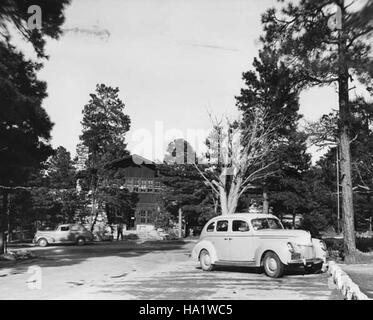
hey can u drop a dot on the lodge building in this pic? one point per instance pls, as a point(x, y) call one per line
point(141, 177)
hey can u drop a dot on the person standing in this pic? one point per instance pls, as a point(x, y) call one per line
point(120, 231)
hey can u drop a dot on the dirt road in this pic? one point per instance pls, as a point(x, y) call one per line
point(153, 270)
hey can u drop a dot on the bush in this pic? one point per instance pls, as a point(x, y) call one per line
point(364, 244)
point(336, 248)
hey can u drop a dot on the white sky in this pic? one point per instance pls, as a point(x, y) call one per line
point(173, 60)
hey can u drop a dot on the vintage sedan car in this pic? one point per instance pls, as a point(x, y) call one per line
point(64, 233)
point(257, 240)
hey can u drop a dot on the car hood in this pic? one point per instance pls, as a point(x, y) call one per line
point(297, 236)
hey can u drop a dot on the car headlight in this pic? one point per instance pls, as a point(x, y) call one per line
point(291, 247)
point(323, 245)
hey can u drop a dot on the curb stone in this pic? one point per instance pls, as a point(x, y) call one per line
point(349, 289)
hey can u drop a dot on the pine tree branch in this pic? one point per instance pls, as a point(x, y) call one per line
point(358, 35)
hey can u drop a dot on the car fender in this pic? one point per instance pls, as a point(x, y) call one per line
point(279, 247)
point(319, 252)
point(207, 245)
point(50, 239)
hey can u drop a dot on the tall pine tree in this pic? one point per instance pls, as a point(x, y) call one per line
point(327, 42)
point(24, 125)
point(104, 130)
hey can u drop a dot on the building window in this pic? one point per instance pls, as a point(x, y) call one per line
point(150, 186)
point(145, 216)
point(149, 216)
point(157, 186)
point(129, 184)
point(135, 185)
point(142, 214)
point(142, 185)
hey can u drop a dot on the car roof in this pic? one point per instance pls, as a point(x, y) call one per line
point(245, 216)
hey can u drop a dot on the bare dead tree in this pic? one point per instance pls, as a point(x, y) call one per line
point(242, 158)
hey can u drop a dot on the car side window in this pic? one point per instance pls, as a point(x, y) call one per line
point(211, 227)
point(222, 225)
point(259, 224)
point(239, 225)
point(65, 228)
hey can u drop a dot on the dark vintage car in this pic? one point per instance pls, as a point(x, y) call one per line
point(64, 233)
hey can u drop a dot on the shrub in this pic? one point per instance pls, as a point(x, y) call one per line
point(336, 248)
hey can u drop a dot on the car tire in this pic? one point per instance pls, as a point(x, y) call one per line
point(80, 241)
point(273, 267)
point(205, 261)
point(42, 242)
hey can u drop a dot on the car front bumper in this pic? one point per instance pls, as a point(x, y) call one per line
point(306, 262)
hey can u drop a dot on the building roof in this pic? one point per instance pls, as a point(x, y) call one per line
point(133, 160)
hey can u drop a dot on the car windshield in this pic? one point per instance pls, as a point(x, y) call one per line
point(266, 223)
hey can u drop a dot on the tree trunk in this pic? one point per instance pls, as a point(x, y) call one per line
point(233, 201)
point(344, 126)
point(294, 214)
point(93, 187)
point(8, 225)
point(94, 212)
point(234, 195)
point(265, 200)
point(216, 203)
point(3, 224)
point(223, 201)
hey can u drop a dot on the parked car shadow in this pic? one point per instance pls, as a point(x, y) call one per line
point(259, 270)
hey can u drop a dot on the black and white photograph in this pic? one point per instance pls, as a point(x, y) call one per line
point(186, 150)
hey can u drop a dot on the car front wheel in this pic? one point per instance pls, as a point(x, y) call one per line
point(80, 241)
point(42, 242)
point(273, 267)
point(205, 260)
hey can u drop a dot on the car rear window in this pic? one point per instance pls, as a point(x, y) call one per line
point(211, 227)
point(222, 225)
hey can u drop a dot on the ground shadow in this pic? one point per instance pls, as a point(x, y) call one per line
point(66, 255)
point(295, 271)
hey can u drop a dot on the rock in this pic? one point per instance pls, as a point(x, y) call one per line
point(344, 283)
